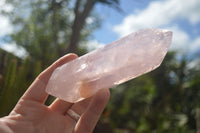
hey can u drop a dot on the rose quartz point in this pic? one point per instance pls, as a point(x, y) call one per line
point(115, 63)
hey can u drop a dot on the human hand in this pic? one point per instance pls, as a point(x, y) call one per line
point(30, 115)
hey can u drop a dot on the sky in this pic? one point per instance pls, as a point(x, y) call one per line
point(180, 16)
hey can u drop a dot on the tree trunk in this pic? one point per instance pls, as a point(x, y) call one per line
point(75, 36)
point(79, 22)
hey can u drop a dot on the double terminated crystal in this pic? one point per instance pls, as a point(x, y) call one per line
point(115, 63)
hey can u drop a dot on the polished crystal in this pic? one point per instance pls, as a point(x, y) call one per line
point(111, 65)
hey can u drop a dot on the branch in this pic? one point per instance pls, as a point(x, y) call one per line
point(87, 9)
point(76, 9)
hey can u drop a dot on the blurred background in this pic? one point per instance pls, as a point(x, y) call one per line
point(33, 34)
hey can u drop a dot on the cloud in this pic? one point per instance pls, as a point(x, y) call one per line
point(92, 45)
point(5, 26)
point(5, 7)
point(196, 44)
point(163, 14)
point(193, 64)
point(182, 42)
point(180, 39)
point(89, 20)
point(16, 50)
point(160, 13)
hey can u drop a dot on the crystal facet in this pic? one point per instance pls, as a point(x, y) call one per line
point(113, 64)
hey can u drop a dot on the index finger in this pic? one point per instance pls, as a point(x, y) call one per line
point(36, 91)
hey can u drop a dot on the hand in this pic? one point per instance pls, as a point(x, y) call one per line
point(30, 115)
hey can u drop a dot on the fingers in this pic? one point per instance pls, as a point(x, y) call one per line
point(81, 106)
point(90, 117)
point(60, 106)
point(46, 74)
point(36, 91)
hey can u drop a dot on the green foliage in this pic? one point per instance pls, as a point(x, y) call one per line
point(164, 100)
point(44, 29)
point(15, 79)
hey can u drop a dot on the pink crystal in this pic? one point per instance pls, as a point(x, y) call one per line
point(115, 63)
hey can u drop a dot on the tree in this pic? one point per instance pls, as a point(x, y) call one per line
point(81, 12)
point(43, 28)
point(48, 29)
point(164, 100)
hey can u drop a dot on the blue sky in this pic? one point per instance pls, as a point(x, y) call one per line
point(180, 16)
point(113, 17)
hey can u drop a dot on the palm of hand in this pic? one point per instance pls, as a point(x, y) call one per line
point(31, 115)
point(37, 118)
